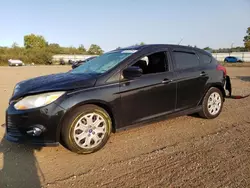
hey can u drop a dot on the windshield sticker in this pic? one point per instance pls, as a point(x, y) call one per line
point(128, 51)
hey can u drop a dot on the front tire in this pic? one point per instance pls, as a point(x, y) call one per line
point(86, 129)
point(212, 104)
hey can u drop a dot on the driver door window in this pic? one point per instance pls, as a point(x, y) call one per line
point(154, 63)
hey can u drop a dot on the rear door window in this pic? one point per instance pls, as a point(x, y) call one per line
point(185, 60)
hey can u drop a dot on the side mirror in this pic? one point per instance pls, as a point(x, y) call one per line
point(132, 72)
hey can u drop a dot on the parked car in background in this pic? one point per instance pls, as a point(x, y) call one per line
point(15, 62)
point(62, 62)
point(78, 63)
point(124, 87)
point(232, 59)
point(49, 62)
point(70, 62)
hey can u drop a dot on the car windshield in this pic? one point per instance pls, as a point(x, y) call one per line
point(103, 63)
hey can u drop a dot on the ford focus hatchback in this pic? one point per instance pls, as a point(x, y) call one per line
point(112, 92)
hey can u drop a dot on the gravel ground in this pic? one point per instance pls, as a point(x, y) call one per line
point(181, 152)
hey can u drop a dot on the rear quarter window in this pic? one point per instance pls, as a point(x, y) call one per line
point(205, 59)
point(185, 60)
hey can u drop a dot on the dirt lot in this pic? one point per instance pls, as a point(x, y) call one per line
point(181, 152)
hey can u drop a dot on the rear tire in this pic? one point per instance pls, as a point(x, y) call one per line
point(86, 129)
point(212, 104)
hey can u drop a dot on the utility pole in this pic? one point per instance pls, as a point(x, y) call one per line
point(231, 49)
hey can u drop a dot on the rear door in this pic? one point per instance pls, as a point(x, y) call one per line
point(191, 78)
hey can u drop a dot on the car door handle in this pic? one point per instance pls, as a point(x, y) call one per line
point(203, 73)
point(166, 81)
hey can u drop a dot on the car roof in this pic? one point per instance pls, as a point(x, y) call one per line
point(231, 57)
point(148, 46)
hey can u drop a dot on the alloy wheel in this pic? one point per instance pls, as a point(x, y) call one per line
point(214, 103)
point(90, 130)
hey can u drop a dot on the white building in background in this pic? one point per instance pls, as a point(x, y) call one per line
point(245, 56)
point(66, 57)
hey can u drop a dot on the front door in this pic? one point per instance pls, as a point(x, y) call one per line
point(151, 95)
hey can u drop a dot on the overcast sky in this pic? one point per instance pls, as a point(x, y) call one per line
point(113, 23)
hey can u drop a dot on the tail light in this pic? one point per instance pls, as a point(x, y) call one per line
point(221, 68)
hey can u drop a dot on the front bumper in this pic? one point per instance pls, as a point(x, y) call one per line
point(18, 122)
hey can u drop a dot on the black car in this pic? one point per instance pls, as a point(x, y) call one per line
point(113, 92)
point(78, 63)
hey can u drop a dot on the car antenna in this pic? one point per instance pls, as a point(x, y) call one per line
point(180, 41)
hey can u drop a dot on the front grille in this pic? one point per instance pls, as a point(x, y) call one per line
point(12, 129)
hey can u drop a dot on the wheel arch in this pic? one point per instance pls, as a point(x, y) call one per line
point(219, 86)
point(99, 103)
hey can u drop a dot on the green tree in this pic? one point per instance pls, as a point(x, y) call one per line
point(140, 44)
point(54, 48)
point(14, 45)
point(247, 39)
point(71, 50)
point(54, 45)
point(34, 41)
point(208, 48)
point(95, 50)
point(81, 48)
point(38, 56)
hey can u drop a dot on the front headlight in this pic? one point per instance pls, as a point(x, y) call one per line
point(35, 101)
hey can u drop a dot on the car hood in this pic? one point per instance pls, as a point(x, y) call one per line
point(54, 82)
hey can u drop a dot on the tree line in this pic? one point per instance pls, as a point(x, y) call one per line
point(227, 50)
point(37, 50)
